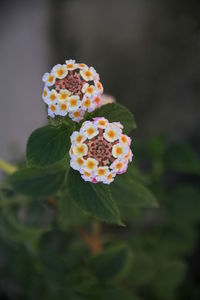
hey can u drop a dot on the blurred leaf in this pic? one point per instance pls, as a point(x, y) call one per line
point(47, 146)
point(134, 173)
point(115, 293)
point(181, 157)
point(115, 112)
point(95, 200)
point(168, 277)
point(110, 263)
point(143, 270)
point(52, 252)
point(179, 201)
point(11, 229)
point(37, 182)
point(128, 192)
point(16, 200)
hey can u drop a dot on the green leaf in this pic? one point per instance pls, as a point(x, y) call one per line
point(115, 112)
point(110, 263)
point(37, 182)
point(69, 214)
point(94, 199)
point(182, 158)
point(66, 121)
point(11, 229)
point(128, 192)
point(47, 146)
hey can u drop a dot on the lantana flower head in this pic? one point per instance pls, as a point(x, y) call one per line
point(100, 151)
point(72, 88)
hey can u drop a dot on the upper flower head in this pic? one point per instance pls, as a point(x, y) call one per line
point(103, 148)
point(75, 83)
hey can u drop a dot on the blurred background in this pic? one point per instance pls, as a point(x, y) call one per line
point(148, 55)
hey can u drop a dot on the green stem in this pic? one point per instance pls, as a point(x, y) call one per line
point(6, 167)
point(9, 202)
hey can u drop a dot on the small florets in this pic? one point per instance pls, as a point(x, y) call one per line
point(72, 88)
point(100, 150)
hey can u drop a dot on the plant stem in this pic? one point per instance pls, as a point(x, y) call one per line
point(6, 167)
point(93, 239)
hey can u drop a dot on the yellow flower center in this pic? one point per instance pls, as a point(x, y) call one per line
point(71, 151)
point(87, 102)
point(119, 150)
point(102, 122)
point(79, 138)
point(101, 172)
point(81, 65)
point(109, 176)
point(63, 106)
point(53, 97)
point(90, 165)
point(53, 108)
point(124, 139)
point(73, 102)
point(69, 66)
point(90, 131)
point(63, 96)
point(87, 174)
point(60, 72)
point(51, 78)
point(111, 134)
point(127, 155)
point(97, 100)
point(90, 90)
point(88, 73)
point(80, 161)
point(119, 165)
point(77, 114)
point(80, 149)
point(99, 85)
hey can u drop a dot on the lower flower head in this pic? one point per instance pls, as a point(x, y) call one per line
point(103, 148)
point(75, 83)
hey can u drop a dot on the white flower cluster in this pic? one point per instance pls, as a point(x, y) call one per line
point(72, 88)
point(100, 150)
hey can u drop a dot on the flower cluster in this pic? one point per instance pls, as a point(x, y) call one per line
point(72, 88)
point(100, 150)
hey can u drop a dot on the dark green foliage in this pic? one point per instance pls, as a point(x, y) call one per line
point(69, 214)
point(54, 259)
point(182, 158)
point(48, 161)
point(37, 182)
point(95, 200)
point(53, 246)
point(47, 146)
point(110, 263)
point(115, 112)
point(128, 191)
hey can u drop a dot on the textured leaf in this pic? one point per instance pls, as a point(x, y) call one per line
point(116, 112)
point(69, 214)
point(129, 192)
point(110, 263)
point(47, 145)
point(95, 200)
point(37, 182)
